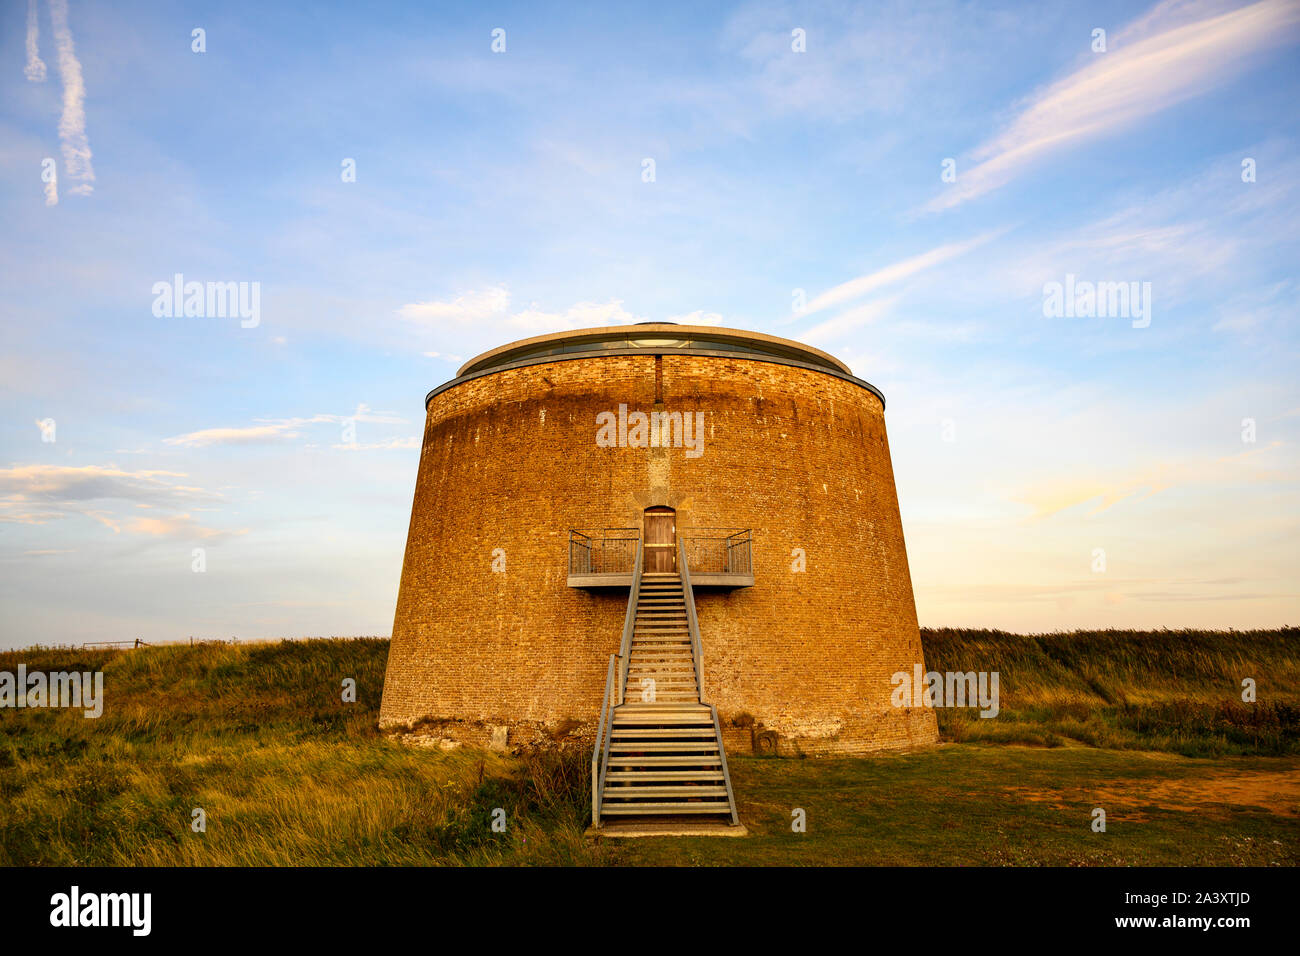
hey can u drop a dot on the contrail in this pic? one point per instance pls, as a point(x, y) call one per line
point(35, 70)
point(72, 125)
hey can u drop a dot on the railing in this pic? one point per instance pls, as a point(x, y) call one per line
point(629, 620)
point(697, 651)
point(726, 772)
point(598, 768)
point(602, 550)
point(718, 550)
point(692, 622)
point(616, 681)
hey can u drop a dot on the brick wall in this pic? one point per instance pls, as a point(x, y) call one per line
point(510, 462)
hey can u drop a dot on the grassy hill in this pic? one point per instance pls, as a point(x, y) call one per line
point(258, 736)
point(1177, 691)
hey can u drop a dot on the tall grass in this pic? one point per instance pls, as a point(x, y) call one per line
point(1174, 690)
point(259, 738)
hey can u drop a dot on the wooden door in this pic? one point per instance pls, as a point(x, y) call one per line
point(660, 539)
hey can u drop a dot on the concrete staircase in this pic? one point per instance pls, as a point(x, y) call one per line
point(664, 760)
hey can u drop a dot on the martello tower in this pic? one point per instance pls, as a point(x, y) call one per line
point(697, 526)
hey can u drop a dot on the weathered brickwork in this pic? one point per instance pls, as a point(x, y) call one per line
point(510, 462)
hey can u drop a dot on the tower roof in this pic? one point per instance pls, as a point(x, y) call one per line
point(652, 338)
point(656, 337)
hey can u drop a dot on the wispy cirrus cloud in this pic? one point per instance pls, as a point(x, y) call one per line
point(35, 69)
point(850, 319)
point(9, 516)
point(41, 494)
point(494, 305)
point(1205, 236)
point(873, 309)
point(65, 484)
point(273, 430)
point(892, 274)
point(1254, 465)
point(72, 124)
point(180, 526)
point(1178, 50)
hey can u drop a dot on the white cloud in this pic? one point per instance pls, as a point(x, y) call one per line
point(698, 317)
point(72, 124)
point(64, 491)
point(850, 319)
point(1064, 491)
point(468, 308)
point(494, 305)
point(27, 517)
point(250, 435)
point(276, 430)
point(582, 315)
point(59, 483)
point(1165, 57)
point(1270, 306)
point(35, 69)
point(856, 288)
point(179, 526)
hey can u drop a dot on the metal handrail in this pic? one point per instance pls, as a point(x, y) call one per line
point(726, 773)
point(601, 550)
point(732, 545)
point(602, 746)
point(600, 754)
point(629, 621)
point(697, 650)
point(697, 646)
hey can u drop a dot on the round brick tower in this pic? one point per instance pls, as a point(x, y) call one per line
point(548, 464)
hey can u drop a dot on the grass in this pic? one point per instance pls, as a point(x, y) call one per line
point(981, 805)
point(288, 774)
point(1175, 691)
point(259, 738)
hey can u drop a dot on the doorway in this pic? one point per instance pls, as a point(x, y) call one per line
point(660, 539)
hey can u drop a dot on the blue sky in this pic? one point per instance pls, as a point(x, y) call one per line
point(500, 195)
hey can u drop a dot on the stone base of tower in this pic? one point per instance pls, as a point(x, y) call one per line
point(776, 735)
point(742, 734)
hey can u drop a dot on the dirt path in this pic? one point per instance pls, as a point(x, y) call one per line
point(1274, 791)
